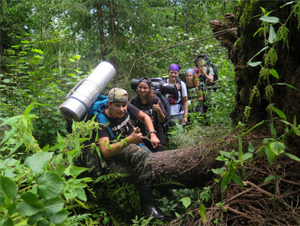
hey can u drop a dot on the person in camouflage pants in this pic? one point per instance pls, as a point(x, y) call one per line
point(116, 123)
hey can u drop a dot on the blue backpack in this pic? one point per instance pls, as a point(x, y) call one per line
point(97, 108)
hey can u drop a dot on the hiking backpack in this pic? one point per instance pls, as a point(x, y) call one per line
point(208, 64)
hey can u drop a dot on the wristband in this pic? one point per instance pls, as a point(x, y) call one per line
point(151, 132)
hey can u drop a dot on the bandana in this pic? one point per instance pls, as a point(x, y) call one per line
point(190, 71)
point(174, 67)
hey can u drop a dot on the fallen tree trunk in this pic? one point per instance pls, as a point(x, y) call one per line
point(189, 167)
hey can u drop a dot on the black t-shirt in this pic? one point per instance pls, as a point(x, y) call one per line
point(193, 92)
point(148, 109)
point(120, 125)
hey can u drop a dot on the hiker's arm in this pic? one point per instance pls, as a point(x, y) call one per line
point(160, 115)
point(112, 149)
point(200, 98)
point(209, 77)
point(185, 107)
point(209, 80)
point(148, 123)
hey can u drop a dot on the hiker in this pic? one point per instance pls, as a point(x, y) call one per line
point(179, 108)
point(150, 104)
point(205, 73)
point(195, 92)
point(118, 114)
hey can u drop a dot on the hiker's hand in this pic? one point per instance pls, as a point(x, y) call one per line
point(185, 120)
point(136, 136)
point(156, 107)
point(202, 69)
point(155, 141)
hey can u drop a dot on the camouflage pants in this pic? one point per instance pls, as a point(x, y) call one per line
point(133, 154)
point(139, 158)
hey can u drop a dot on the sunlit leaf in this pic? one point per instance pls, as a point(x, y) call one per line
point(186, 201)
point(202, 212)
point(272, 34)
point(270, 19)
point(38, 161)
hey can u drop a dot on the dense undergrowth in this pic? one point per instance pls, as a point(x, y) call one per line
point(40, 183)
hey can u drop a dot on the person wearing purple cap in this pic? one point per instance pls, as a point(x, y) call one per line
point(179, 108)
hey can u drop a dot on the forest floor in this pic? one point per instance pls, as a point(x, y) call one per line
point(260, 201)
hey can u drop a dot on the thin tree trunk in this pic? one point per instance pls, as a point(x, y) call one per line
point(101, 30)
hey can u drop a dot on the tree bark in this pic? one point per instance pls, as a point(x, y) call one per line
point(189, 167)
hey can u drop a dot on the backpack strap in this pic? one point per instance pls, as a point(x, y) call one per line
point(102, 119)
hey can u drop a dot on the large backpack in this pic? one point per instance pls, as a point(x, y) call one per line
point(97, 108)
point(165, 104)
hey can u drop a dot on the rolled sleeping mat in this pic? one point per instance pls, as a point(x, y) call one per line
point(75, 107)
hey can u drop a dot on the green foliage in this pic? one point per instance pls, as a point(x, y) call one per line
point(46, 49)
point(35, 189)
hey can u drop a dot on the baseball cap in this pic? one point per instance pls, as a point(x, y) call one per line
point(117, 95)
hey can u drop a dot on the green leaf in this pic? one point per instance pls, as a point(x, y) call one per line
point(269, 154)
point(8, 189)
point(259, 62)
point(57, 146)
point(269, 178)
point(292, 156)
point(237, 180)
point(219, 170)
point(34, 218)
point(81, 194)
point(37, 51)
point(42, 223)
point(202, 212)
point(288, 85)
point(277, 147)
point(274, 73)
point(30, 206)
point(6, 80)
point(49, 185)
point(270, 19)
point(74, 171)
point(38, 161)
point(227, 154)
point(225, 181)
point(53, 205)
point(28, 109)
point(280, 113)
point(247, 156)
point(251, 148)
point(254, 64)
point(59, 217)
point(273, 131)
point(272, 34)
point(186, 201)
point(205, 196)
point(7, 222)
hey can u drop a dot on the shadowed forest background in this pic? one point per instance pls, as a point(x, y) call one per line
point(238, 165)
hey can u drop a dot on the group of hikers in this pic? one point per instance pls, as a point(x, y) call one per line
point(144, 116)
